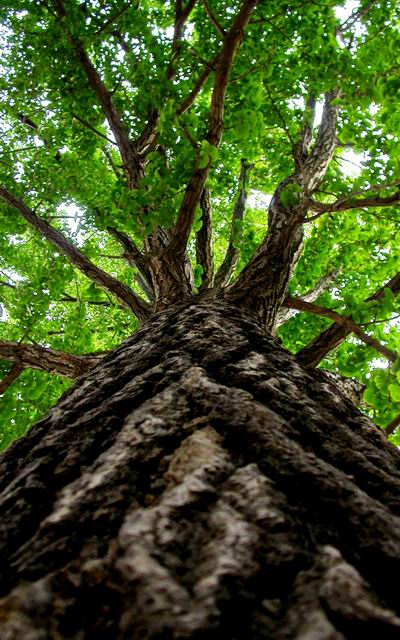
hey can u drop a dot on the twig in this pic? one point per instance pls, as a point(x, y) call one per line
point(113, 18)
point(89, 126)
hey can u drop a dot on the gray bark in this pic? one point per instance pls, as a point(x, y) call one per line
point(199, 483)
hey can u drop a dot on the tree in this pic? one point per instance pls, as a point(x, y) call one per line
point(199, 480)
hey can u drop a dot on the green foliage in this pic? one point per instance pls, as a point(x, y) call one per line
point(66, 165)
point(208, 154)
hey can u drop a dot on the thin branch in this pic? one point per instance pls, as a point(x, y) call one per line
point(132, 254)
point(27, 121)
point(132, 163)
point(213, 19)
point(45, 359)
point(111, 162)
point(204, 249)
point(280, 116)
point(191, 97)
point(232, 255)
point(32, 125)
point(113, 18)
point(350, 201)
point(356, 15)
point(345, 321)
point(121, 291)
point(11, 377)
point(392, 426)
point(322, 285)
point(95, 303)
point(316, 350)
point(89, 126)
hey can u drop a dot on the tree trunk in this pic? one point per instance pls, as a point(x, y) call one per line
point(198, 483)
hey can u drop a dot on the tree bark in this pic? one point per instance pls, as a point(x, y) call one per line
point(199, 483)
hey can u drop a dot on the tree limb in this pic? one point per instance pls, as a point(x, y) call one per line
point(191, 97)
point(263, 283)
point(136, 258)
point(44, 359)
point(315, 165)
point(302, 146)
point(345, 321)
point(10, 377)
point(204, 249)
point(316, 350)
point(231, 258)
point(113, 18)
point(357, 14)
point(132, 253)
point(351, 388)
point(181, 231)
point(122, 292)
point(322, 285)
point(350, 201)
point(219, 29)
point(133, 165)
point(392, 426)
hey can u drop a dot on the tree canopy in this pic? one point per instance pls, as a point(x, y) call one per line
point(155, 150)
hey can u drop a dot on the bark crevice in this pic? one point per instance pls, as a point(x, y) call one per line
point(199, 483)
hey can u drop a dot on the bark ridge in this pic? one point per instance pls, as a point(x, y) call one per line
point(199, 483)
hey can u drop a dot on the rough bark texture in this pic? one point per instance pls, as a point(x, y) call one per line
point(198, 483)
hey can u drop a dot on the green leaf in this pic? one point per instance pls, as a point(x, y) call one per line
point(394, 390)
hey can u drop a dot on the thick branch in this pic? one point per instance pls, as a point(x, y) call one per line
point(121, 291)
point(344, 321)
point(181, 16)
point(232, 254)
point(314, 167)
point(11, 377)
point(263, 283)
point(316, 350)
point(302, 146)
point(44, 359)
point(193, 190)
point(204, 249)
